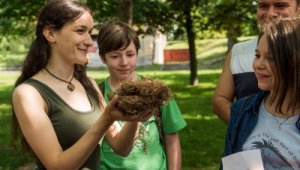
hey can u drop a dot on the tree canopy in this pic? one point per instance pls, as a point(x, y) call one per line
point(18, 17)
point(179, 17)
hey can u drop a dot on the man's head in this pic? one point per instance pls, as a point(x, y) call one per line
point(276, 8)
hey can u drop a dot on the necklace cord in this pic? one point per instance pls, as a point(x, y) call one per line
point(278, 122)
point(70, 86)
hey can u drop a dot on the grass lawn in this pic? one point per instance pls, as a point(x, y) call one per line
point(202, 140)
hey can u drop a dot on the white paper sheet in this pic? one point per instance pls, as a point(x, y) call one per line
point(245, 160)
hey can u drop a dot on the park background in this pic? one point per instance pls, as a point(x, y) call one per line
point(207, 29)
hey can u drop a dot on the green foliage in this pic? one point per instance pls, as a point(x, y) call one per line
point(187, 14)
point(17, 21)
point(152, 15)
point(103, 10)
point(147, 15)
point(236, 17)
point(17, 17)
point(13, 50)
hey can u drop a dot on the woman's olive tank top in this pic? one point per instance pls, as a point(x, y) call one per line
point(69, 124)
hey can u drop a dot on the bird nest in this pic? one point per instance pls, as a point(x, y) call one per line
point(139, 98)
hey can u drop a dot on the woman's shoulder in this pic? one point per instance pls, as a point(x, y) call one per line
point(26, 95)
point(24, 89)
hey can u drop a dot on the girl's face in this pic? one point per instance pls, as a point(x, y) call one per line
point(121, 63)
point(73, 40)
point(262, 66)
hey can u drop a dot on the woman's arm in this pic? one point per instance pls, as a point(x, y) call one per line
point(31, 112)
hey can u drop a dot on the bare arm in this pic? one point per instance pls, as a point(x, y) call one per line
point(173, 151)
point(31, 112)
point(122, 139)
point(224, 92)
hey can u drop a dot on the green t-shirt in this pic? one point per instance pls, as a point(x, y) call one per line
point(153, 158)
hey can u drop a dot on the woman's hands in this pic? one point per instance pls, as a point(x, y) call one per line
point(111, 110)
point(113, 113)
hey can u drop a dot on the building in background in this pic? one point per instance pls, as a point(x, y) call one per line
point(151, 51)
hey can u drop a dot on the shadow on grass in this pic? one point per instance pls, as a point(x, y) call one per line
point(10, 158)
point(202, 143)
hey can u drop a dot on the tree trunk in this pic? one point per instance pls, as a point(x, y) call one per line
point(232, 35)
point(125, 11)
point(192, 48)
point(230, 42)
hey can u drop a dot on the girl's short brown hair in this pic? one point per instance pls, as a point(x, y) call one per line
point(116, 35)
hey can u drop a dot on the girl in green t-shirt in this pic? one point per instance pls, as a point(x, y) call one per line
point(118, 47)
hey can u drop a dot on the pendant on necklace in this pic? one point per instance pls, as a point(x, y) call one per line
point(279, 127)
point(71, 87)
point(279, 123)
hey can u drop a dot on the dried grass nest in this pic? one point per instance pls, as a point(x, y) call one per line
point(138, 98)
